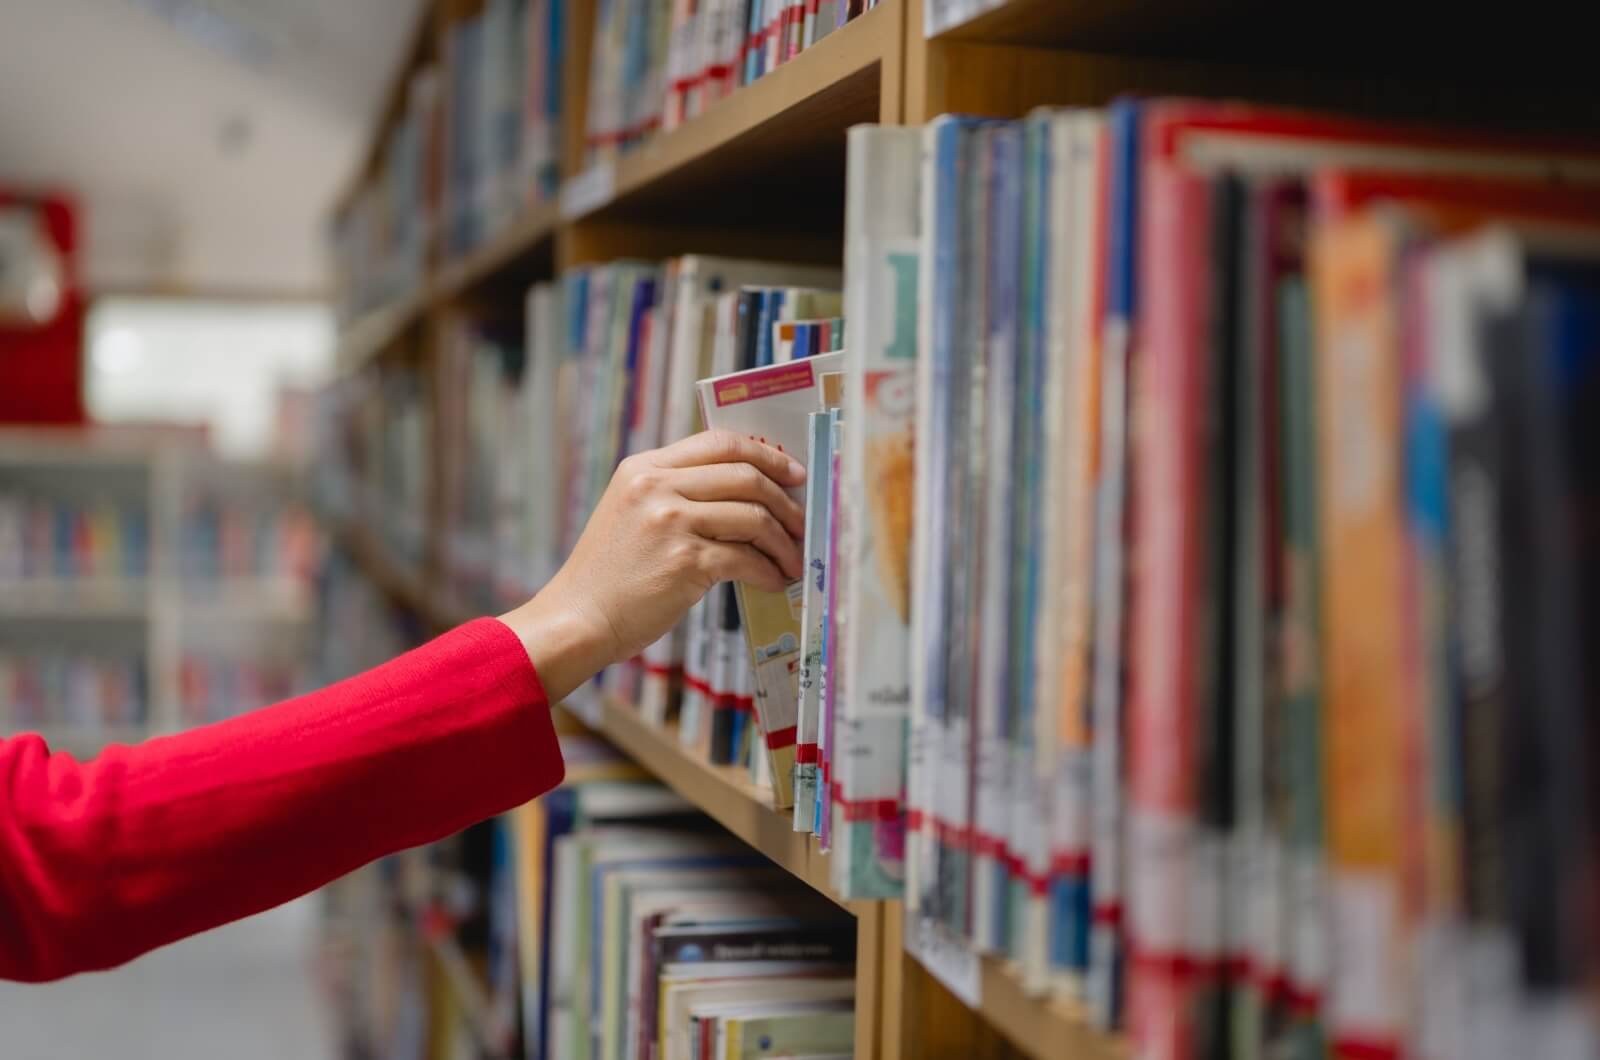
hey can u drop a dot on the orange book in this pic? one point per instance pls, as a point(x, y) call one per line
point(1354, 276)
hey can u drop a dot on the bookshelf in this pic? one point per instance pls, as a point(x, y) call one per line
point(122, 595)
point(708, 185)
point(124, 598)
point(790, 118)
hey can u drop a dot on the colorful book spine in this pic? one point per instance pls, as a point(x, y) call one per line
point(1005, 413)
point(1358, 414)
point(877, 465)
point(812, 622)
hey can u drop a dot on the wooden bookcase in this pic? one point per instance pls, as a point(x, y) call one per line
point(708, 187)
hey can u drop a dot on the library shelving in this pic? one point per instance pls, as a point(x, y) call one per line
point(127, 572)
point(761, 173)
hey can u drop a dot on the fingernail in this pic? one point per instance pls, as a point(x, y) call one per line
point(796, 468)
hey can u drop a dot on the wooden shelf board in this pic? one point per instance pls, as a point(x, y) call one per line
point(791, 119)
point(471, 994)
point(537, 226)
point(378, 329)
point(725, 793)
point(1043, 1027)
point(407, 587)
point(92, 598)
point(1139, 25)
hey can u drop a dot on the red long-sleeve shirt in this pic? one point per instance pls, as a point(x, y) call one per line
point(104, 860)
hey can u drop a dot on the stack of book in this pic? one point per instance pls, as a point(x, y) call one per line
point(479, 415)
point(1243, 450)
point(475, 145)
point(644, 933)
point(382, 240)
point(1250, 464)
point(44, 537)
point(502, 127)
point(374, 428)
point(659, 63)
point(221, 538)
point(45, 687)
point(612, 370)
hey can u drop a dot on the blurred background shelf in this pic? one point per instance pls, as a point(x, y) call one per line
point(88, 740)
point(67, 598)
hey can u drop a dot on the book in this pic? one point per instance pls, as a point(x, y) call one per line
point(812, 620)
point(771, 404)
point(877, 464)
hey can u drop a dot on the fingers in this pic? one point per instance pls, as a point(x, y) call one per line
point(724, 447)
point(740, 482)
point(736, 561)
point(750, 523)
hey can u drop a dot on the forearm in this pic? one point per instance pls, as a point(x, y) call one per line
point(102, 861)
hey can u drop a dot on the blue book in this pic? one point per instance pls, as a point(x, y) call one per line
point(1544, 365)
point(644, 297)
point(560, 809)
point(1106, 947)
point(1035, 372)
point(466, 101)
point(753, 53)
point(555, 50)
point(771, 310)
point(946, 133)
point(1000, 501)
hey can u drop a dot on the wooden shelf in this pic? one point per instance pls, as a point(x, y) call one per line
point(1041, 1027)
point(380, 328)
point(476, 1005)
point(724, 793)
point(245, 599)
point(1126, 25)
point(522, 239)
point(383, 327)
point(62, 598)
point(781, 130)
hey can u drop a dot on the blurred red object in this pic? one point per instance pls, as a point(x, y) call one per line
point(41, 337)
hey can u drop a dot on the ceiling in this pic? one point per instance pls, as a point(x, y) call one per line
point(206, 139)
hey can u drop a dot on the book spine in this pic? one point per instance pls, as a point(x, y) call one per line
point(1116, 265)
point(1363, 640)
point(878, 468)
point(1172, 866)
point(992, 703)
point(726, 660)
point(812, 619)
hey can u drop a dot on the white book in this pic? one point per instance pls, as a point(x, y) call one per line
point(919, 741)
point(772, 404)
point(719, 983)
point(696, 672)
point(876, 496)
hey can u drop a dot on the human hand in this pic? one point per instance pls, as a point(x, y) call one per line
point(673, 522)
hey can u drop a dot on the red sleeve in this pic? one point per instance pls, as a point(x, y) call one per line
point(104, 860)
